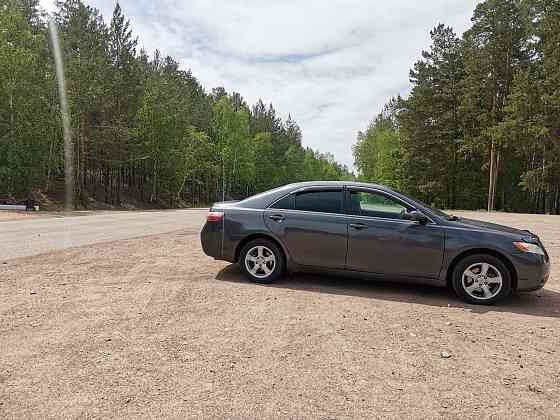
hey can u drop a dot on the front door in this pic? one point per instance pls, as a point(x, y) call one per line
point(381, 241)
point(312, 225)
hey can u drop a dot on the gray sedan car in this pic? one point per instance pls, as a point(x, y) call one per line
point(358, 228)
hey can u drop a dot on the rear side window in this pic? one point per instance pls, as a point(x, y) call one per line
point(320, 201)
point(286, 203)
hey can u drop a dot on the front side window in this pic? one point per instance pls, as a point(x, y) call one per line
point(373, 204)
point(320, 201)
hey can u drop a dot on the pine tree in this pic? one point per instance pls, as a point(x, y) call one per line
point(29, 129)
point(122, 52)
point(84, 38)
point(494, 47)
point(430, 122)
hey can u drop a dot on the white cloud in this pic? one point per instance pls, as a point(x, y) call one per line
point(331, 64)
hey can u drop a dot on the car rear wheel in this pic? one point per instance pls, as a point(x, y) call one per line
point(262, 261)
point(481, 279)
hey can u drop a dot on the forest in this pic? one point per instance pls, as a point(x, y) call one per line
point(481, 125)
point(144, 131)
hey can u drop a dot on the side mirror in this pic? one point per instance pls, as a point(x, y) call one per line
point(416, 216)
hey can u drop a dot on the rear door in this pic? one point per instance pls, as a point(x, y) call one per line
point(312, 225)
point(381, 241)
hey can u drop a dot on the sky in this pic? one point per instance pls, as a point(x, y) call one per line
point(330, 64)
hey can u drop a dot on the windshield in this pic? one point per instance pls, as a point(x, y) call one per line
point(438, 212)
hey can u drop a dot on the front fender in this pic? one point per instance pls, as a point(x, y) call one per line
point(462, 242)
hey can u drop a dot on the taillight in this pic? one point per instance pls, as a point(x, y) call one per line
point(215, 216)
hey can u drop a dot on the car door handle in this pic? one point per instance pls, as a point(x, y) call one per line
point(358, 226)
point(277, 217)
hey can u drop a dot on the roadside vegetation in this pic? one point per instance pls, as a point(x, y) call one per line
point(143, 129)
point(479, 129)
point(481, 126)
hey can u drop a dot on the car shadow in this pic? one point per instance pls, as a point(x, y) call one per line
point(543, 303)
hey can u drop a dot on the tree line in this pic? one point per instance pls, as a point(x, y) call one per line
point(143, 129)
point(481, 125)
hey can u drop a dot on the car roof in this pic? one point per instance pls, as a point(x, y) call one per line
point(264, 199)
point(341, 184)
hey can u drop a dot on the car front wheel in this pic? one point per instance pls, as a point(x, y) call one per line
point(481, 279)
point(262, 261)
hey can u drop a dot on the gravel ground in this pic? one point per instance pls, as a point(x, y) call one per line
point(150, 328)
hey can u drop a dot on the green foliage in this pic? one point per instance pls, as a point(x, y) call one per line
point(142, 127)
point(29, 135)
point(430, 120)
point(231, 133)
point(378, 151)
point(490, 100)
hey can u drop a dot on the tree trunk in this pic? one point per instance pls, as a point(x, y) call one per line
point(82, 157)
point(49, 167)
point(492, 185)
point(453, 200)
point(153, 196)
point(557, 201)
point(223, 179)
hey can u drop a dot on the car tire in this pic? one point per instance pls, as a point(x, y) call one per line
point(481, 279)
point(262, 261)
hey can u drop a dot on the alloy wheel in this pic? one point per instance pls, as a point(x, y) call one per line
point(260, 261)
point(482, 281)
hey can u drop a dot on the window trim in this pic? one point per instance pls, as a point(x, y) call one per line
point(345, 190)
point(312, 189)
point(269, 207)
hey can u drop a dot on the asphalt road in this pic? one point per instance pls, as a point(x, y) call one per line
point(24, 238)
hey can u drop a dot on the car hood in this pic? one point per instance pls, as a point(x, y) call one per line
point(494, 227)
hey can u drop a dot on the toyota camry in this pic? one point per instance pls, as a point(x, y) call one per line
point(372, 230)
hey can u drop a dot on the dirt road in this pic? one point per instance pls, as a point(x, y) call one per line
point(21, 238)
point(152, 328)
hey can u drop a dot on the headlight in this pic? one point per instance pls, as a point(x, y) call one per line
point(527, 247)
